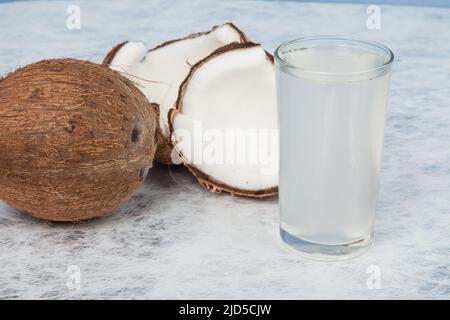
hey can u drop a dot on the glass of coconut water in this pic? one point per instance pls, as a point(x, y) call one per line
point(332, 99)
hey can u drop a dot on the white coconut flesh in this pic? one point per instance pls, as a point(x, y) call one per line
point(229, 97)
point(159, 72)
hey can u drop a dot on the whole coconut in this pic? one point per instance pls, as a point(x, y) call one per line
point(76, 139)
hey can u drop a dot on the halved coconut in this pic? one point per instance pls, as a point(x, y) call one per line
point(225, 125)
point(160, 71)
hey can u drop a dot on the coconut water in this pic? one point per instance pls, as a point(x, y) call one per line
point(331, 133)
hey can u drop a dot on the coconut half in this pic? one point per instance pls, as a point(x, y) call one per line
point(225, 126)
point(159, 72)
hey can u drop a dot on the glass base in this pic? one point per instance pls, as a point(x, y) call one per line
point(324, 252)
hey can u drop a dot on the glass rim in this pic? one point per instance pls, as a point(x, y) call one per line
point(385, 66)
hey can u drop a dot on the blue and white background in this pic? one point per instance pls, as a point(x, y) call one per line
point(173, 239)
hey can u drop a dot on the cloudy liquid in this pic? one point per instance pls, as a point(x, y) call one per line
point(331, 135)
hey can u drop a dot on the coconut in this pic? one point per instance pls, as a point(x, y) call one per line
point(77, 139)
point(224, 125)
point(159, 72)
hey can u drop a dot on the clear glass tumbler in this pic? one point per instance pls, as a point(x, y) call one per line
point(332, 99)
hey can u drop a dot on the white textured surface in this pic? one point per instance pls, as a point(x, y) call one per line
point(173, 239)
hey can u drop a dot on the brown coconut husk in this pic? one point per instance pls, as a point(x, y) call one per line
point(205, 180)
point(164, 148)
point(112, 53)
point(77, 139)
point(164, 151)
point(242, 35)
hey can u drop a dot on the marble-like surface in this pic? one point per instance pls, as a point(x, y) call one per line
point(175, 240)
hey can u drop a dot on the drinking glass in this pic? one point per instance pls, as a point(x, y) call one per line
point(332, 100)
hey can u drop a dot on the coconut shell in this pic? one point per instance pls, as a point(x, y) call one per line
point(205, 180)
point(164, 151)
point(77, 139)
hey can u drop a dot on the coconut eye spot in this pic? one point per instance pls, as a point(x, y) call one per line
point(70, 128)
point(135, 135)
